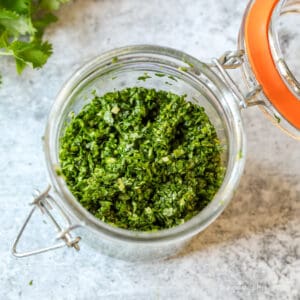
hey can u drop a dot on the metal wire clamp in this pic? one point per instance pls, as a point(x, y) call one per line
point(45, 202)
point(233, 60)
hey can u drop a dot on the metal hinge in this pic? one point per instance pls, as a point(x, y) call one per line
point(45, 203)
point(234, 60)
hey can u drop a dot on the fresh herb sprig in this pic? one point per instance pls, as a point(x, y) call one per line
point(22, 26)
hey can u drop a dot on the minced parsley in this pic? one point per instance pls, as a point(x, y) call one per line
point(141, 159)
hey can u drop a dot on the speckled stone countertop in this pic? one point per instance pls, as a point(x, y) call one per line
point(251, 252)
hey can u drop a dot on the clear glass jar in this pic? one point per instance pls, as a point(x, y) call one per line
point(208, 85)
point(103, 75)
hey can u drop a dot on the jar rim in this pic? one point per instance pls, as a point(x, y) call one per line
point(236, 138)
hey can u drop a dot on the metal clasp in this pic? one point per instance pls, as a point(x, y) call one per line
point(233, 60)
point(45, 202)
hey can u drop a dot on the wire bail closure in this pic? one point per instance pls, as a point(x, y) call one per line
point(233, 60)
point(45, 202)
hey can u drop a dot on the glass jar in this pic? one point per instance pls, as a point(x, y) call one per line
point(208, 85)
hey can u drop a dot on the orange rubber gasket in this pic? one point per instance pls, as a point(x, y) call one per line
point(262, 63)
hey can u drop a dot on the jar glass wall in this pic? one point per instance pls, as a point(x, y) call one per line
point(119, 69)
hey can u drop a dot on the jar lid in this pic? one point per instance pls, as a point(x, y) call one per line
point(277, 81)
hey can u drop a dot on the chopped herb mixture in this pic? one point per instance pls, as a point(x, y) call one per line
point(141, 159)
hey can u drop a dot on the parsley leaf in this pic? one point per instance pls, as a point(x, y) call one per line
point(40, 24)
point(33, 53)
point(52, 4)
point(22, 26)
point(19, 6)
point(14, 23)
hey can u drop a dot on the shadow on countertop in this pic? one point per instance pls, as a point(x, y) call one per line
point(265, 200)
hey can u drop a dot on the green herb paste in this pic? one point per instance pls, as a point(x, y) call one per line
point(141, 159)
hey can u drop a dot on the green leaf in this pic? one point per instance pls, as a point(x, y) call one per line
point(33, 53)
point(14, 23)
point(22, 25)
point(52, 4)
point(20, 65)
point(3, 40)
point(42, 23)
point(19, 6)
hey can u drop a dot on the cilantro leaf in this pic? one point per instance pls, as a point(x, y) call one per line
point(14, 23)
point(20, 6)
point(22, 26)
point(52, 4)
point(42, 23)
point(35, 53)
point(4, 40)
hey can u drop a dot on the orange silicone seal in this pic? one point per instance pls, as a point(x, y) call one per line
point(261, 60)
